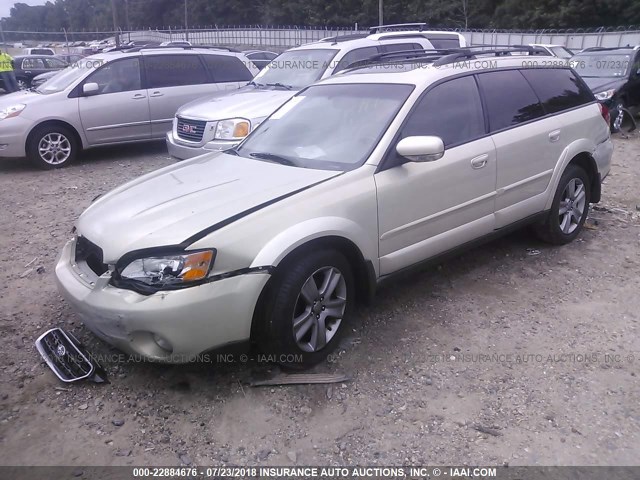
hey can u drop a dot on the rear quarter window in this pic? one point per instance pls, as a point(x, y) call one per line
point(225, 68)
point(558, 89)
point(509, 98)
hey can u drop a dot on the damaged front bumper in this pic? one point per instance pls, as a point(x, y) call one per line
point(169, 326)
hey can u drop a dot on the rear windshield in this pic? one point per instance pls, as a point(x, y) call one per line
point(605, 65)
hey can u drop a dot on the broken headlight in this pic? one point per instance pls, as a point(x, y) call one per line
point(169, 271)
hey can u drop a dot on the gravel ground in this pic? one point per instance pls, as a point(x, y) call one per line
point(514, 353)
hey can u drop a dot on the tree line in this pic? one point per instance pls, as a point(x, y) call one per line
point(82, 15)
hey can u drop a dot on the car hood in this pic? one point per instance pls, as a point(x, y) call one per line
point(246, 102)
point(22, 96)
point(598, 84)
point(176, 203)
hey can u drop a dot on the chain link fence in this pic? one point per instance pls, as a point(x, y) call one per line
point(282, 37)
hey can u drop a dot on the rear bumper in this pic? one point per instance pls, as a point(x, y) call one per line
point(192, 320)
point(179, 149)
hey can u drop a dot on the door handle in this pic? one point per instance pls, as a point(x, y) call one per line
point(554, 136)
point(157, 94)
point(479, 161)
point(139, 96)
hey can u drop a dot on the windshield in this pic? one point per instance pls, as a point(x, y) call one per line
point(327, 127)
point(64, 78)
point(594, 65)
point(296, 68)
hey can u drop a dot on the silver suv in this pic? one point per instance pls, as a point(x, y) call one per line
point(112, 98)
point(218, 123)
point(356, 178)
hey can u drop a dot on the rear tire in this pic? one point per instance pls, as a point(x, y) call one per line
point(310, 302)
point(52, 146)
point(569, 209)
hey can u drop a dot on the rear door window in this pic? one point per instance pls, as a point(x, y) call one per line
point(225, 68)
point(451, 111)
point(174, 71)
point(509, 98)
point(55, 63)
point(558, 89)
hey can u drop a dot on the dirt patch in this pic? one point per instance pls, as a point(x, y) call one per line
point(515, 352)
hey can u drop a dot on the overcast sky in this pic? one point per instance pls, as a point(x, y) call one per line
point(5, 5)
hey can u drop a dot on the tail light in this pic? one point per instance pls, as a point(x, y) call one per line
point(604, 111)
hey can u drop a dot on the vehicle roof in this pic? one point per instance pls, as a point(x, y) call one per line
point(352, 41)
point(547, 45)
point(168, 50)
point(419, 72)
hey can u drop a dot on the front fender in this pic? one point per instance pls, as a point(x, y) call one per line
point(285, 242)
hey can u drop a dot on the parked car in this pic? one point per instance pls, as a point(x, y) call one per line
point(554, 50)
point(196, 125)
point(113, 98)
point(613, 74)
point(28, 67)
point(356, 178)
point(38, 51)
point(260, 58)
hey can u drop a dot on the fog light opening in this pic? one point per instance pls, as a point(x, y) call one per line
point(163, 343)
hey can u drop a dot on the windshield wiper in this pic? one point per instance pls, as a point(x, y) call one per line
point(273, 158)
point(280, 85)
point(255, 84)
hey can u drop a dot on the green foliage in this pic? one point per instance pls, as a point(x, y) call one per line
point(79, 15)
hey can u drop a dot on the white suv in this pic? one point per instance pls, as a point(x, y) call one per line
point(354, 179)
point(220, 122)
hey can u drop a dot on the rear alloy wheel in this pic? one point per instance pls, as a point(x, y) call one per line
point(569, 209)
point(312, 298)
point(51, 147)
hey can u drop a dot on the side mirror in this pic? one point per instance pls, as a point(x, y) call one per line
point(89, 89)
point(421, 149)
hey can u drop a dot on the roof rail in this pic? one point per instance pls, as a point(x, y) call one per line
point(442, 56)
point(600, 49)
point(397, 27)
point(470, 52)
point(402, 56)
point(184, 47)
point(344, 38)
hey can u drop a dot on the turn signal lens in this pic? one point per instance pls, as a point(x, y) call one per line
point(196, 265)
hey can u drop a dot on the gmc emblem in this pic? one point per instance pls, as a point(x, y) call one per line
point(188, 128)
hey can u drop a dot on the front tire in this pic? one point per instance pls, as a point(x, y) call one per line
point(311, 300)
point(52, 146)
point(569, 209)
point(23, 84)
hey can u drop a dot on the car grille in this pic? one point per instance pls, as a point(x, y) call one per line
point(92, 254)
point(63, 356)
point(190, 130)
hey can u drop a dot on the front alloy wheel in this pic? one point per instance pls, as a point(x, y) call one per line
point(616, 122)
point(54, 148)
point(308, 302)
point(319, 309)
point(51, 146)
